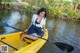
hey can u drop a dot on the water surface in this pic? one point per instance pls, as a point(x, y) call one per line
point(59, 30)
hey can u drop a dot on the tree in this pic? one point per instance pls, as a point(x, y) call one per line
point(0, 3)
point(75, 5)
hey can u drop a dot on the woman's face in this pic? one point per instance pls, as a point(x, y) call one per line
point(42, 14)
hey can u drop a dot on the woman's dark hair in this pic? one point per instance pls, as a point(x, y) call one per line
point(42, 10)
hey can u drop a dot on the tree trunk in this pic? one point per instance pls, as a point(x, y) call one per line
point(61, 5)
point(75, 7)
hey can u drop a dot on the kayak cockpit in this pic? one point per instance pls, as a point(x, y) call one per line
point(14, 40)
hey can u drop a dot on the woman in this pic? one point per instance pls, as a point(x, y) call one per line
point(37, 27)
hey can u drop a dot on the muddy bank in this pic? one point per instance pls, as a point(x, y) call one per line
point(70, 19)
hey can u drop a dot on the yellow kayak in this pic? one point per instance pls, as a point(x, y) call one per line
point(27, 46)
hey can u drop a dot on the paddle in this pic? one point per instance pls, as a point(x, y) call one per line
point(8, 45)
point(5, 24)
point(62, 46)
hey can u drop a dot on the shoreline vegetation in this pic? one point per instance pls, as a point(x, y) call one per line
point(67, 10)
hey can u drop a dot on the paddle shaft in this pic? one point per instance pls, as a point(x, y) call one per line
point(22, 30)
point(5, 24)
point(9, 45)
point(15, 28)
point(19, 29)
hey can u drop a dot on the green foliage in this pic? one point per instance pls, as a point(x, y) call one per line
point(0, 2)
point(60, 2)
point(67, 2)
point(71, 14)
point(75, 1)
point(54, 7)
point(79, 6)
point(55, 11)
point(28, 7)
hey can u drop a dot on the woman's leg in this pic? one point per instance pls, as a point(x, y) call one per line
point(34, 37)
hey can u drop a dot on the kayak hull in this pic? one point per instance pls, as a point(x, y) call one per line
point(27, 46)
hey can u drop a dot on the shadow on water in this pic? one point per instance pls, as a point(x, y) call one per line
point(59, 30)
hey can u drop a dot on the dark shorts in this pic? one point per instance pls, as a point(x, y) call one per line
point(34, 29)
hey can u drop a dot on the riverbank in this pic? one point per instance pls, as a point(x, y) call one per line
point(65, 17)
point(33, 9)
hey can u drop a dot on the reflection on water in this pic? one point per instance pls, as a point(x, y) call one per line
point(62, 31)
point(59, 30)
point(12, 20)
point(15, 19)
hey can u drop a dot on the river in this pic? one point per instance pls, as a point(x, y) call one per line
point(59, 30)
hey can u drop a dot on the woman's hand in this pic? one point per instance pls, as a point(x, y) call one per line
point(44, 28)
point(25, 30)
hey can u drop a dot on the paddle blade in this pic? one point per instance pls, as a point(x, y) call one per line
point(64, 46)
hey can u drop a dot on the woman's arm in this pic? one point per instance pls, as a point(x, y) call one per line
point(34, 17)
point(44, 28)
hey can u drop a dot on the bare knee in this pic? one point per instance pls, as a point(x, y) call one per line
point(35, 38)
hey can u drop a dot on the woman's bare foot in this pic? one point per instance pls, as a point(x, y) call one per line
point(22, 37)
